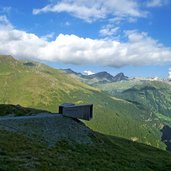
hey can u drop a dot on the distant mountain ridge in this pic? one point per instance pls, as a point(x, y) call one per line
point(100, 77)
point(121, 77)
point(109, 77)
point(70, 71)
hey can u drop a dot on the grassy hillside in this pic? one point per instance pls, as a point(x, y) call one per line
point(38, 86)
point(20, 152)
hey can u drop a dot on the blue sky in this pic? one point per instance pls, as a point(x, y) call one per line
point(127, 36)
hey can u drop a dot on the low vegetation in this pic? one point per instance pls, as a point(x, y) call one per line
point(106, 153)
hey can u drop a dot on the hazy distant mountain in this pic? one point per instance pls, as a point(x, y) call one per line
point(98, 78)
point(120, 77)
point(70, 71)
point(101, 75)
point(152, 95)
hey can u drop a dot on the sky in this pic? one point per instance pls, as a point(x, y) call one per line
point(130, 36)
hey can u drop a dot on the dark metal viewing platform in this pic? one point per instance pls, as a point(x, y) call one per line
point(84, 112)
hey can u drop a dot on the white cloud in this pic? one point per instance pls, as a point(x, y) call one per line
point(140, 49)
point(94, 9)
point(16, 42)
point(109, 30)
point(156, 3)
point(88, 72)
point(79, 11)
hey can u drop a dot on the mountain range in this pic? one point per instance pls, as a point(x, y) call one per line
point(145, 93)
point(98, 78)
point(151, 94)
point(39, 86)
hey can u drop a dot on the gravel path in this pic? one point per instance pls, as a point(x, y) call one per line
point(40, 115)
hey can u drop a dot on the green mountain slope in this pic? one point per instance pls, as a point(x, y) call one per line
point(36, 85)
point(28, 149)
point(152, 95)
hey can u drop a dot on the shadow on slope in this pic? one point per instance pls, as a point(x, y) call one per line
point(17, 110)
point(166, 136)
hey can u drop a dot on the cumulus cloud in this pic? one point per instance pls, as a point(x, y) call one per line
point(88, 72)
point(94, 9)
point(17, 42)
point(139, 49)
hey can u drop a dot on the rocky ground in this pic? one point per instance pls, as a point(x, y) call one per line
point(48, 128)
